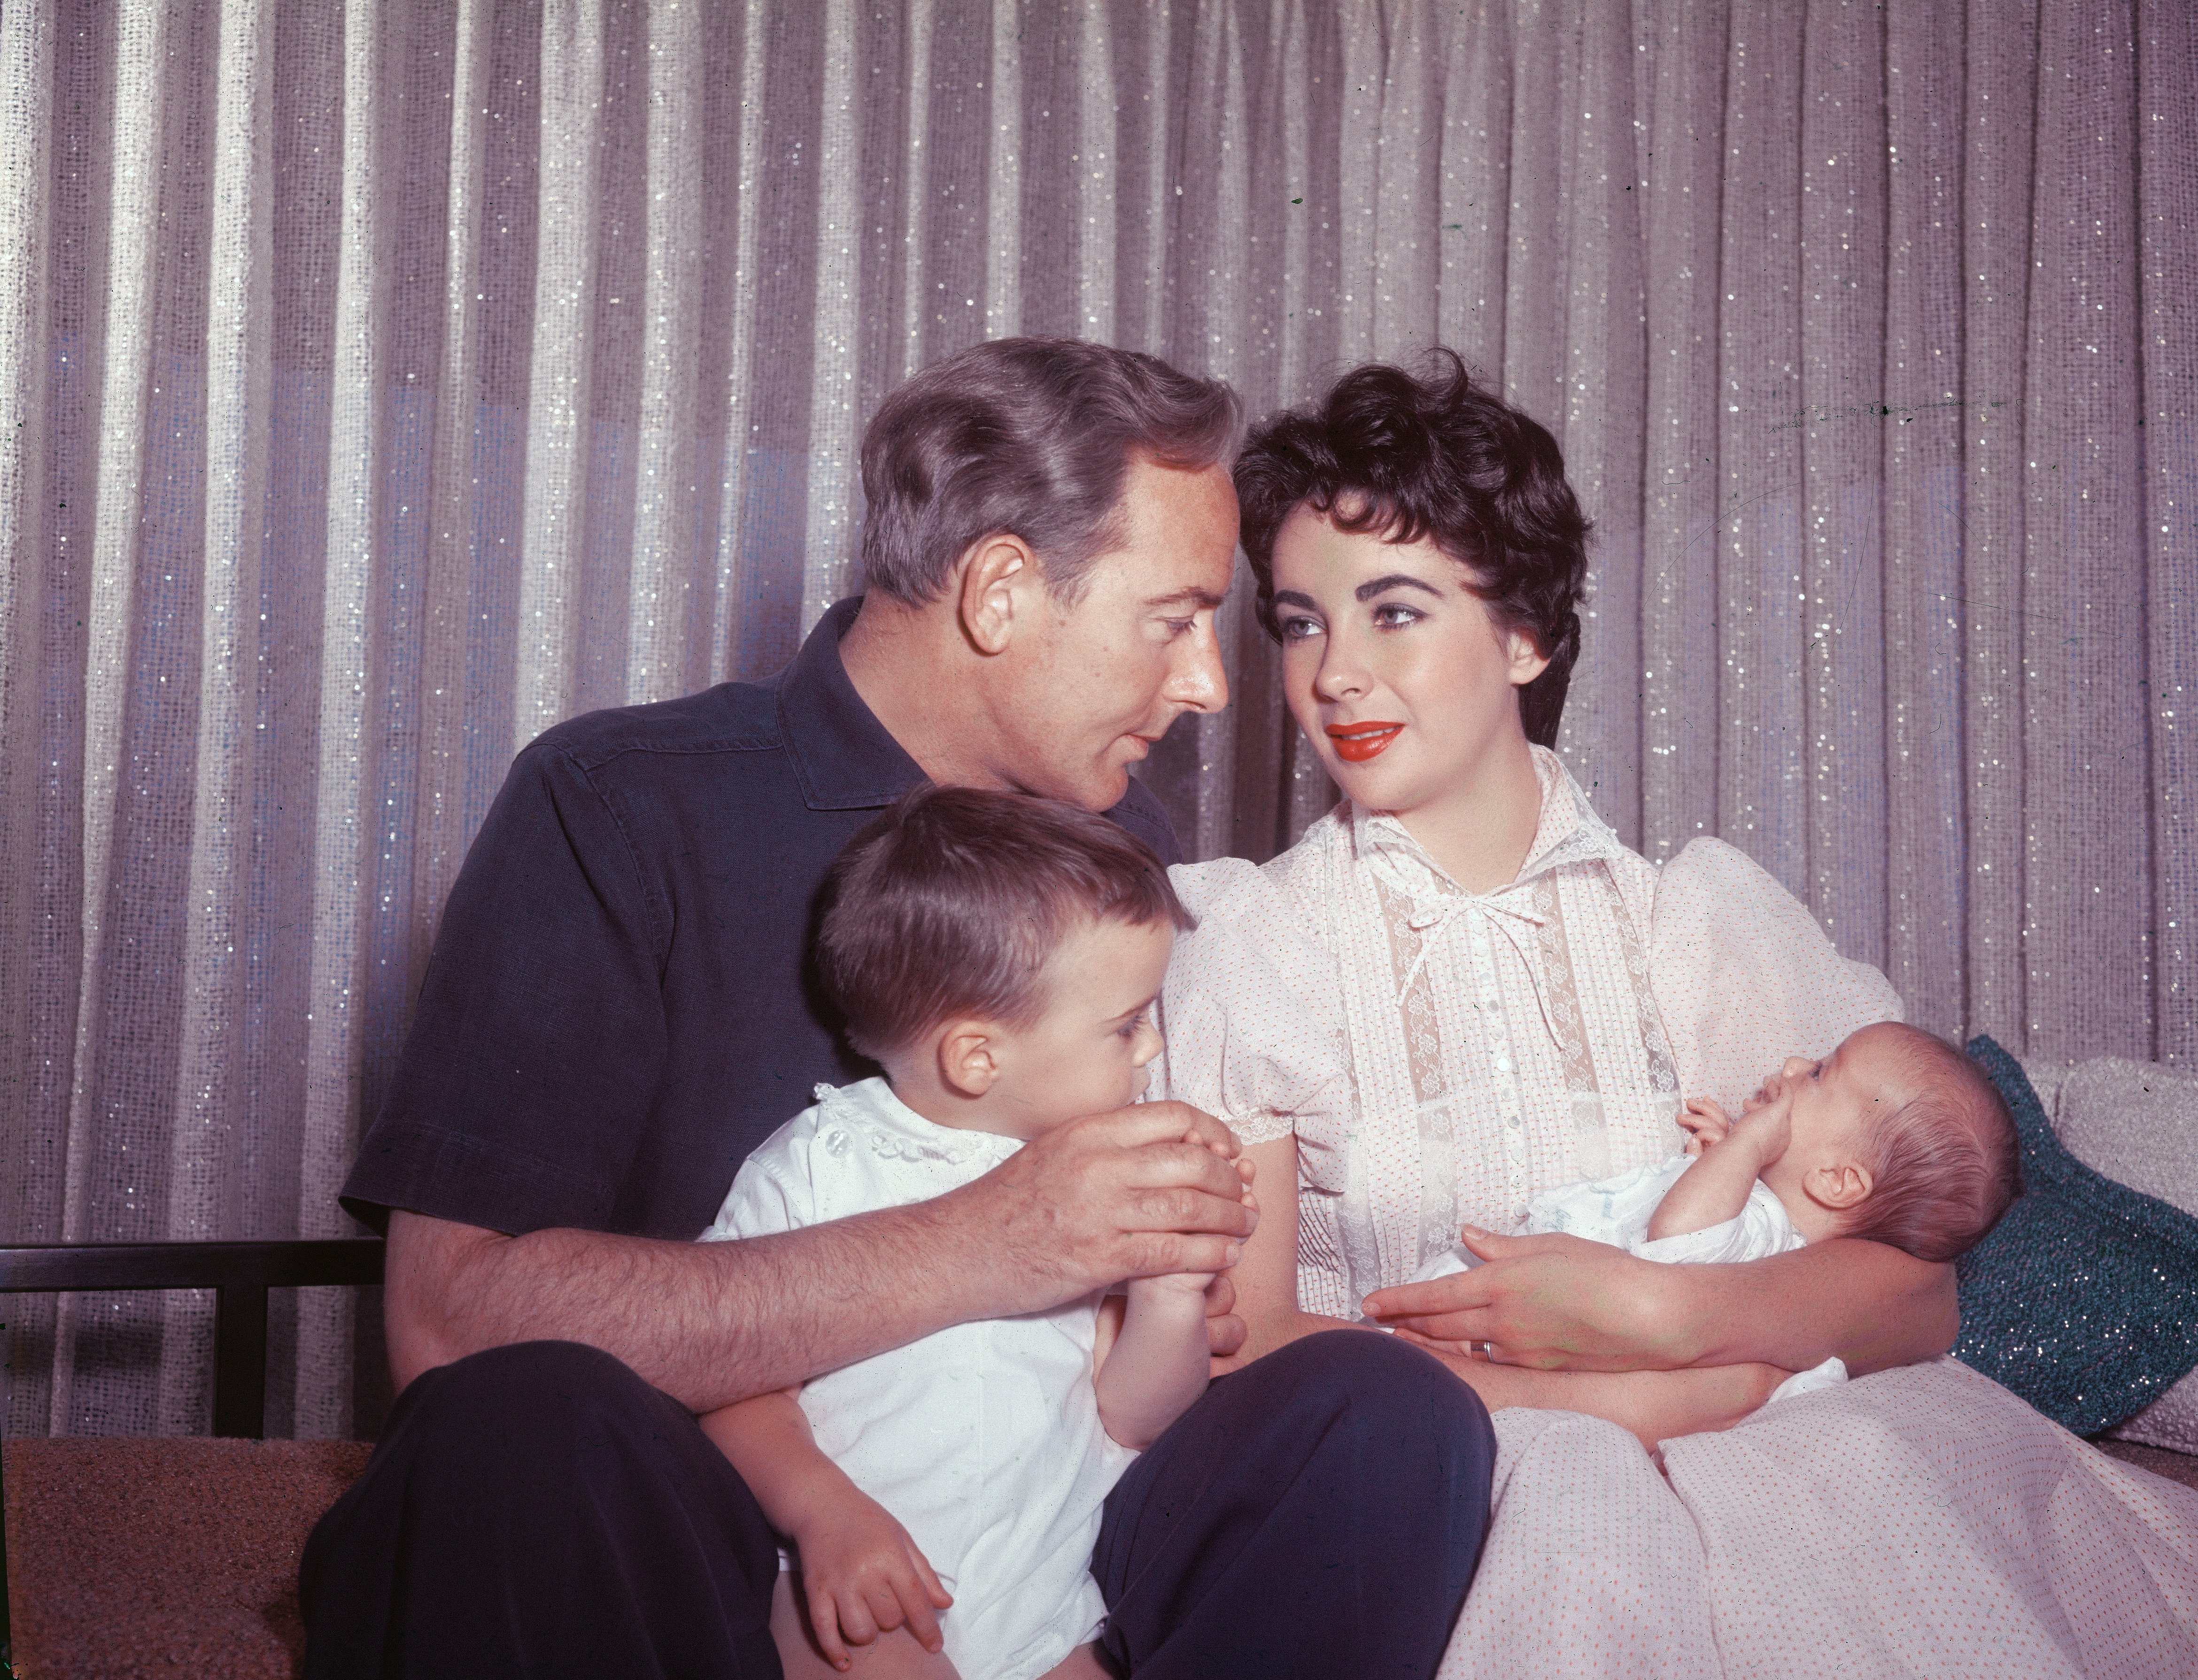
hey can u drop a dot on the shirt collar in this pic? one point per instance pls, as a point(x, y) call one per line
point(843, 758)
point(896, 1130)
point(1569, 832)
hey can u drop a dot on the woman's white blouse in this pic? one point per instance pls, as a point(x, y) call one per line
point(1444, 1056)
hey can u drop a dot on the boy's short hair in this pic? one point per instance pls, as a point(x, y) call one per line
point(1947, 1163)
point(1439, 458)
point(1032, 437)
point(951, 902)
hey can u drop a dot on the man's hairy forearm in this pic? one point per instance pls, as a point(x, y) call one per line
point(707, 1322)
point(1872, 1306)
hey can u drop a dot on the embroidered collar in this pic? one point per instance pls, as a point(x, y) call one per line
point(1570, 832)
point(892, 1129)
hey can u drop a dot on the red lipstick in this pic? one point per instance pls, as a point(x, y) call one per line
point(1355, 743)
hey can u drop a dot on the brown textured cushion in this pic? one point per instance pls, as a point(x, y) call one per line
point(129, 1556)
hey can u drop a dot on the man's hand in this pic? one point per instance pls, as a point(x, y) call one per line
point(861, 1575)
point(1125, 1195)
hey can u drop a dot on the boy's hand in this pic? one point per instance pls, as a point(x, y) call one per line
point(1202, 1283)
point(1705, 1123)
point(862, 1575)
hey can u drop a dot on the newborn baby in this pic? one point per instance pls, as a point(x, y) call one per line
point(1895, 1137)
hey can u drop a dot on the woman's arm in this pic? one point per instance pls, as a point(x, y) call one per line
point(1267, 1277)
point(1560, 1302)
point(1655, 1405)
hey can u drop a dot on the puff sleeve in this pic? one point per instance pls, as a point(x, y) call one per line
point(1252, 1011)
point(1744, 977)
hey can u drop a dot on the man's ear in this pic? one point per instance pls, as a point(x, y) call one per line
point(968, 1057)
point(995, 581)
point(1527, 660)
point(1838, 1187)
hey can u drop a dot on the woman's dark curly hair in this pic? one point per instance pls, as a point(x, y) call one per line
point(1440, 458)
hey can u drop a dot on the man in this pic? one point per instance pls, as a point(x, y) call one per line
point(616, 1013)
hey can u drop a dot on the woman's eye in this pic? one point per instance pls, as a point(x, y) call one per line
point(1395, 615)
point(1298, 630)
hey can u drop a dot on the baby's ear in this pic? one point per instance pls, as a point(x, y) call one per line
point(1839, 1185)
point(968, 1057)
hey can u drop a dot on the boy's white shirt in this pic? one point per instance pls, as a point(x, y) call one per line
point(984, 1440)
point(1617, 1211)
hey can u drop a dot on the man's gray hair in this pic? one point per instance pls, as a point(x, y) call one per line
point(1029, 438)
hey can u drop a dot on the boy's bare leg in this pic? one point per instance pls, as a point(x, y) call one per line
point(893, 1655)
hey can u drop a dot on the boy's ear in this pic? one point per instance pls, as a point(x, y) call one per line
point(968, 1057)
point(994, 575)
point(1838, 1186)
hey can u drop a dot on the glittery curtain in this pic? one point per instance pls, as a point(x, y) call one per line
point(386, 381)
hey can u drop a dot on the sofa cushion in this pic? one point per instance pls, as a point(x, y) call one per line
point(2137, 1122)
point(2084, 1299)
point(131, 1556)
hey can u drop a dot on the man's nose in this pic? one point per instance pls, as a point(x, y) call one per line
point(1198, 684)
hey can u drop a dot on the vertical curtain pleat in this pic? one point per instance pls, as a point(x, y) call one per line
point(1997, 165)
point(726, 639)
point(665, 516)
point(2087, 857)
point(215, 942)
point(1925, 780)
point(2168, 216)
point(140, 78)
point(388, 382)
point(446, 627)
point(559, 433)
point(346, 819)
point(1683, 513)
point(828, 545)
point(27, 146)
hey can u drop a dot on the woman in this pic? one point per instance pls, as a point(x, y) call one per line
point(1460, 990)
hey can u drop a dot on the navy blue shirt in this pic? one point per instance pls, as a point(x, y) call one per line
point(617, 1009)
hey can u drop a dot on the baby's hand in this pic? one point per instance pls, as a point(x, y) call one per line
point(862, 1575)
point(1767, 1129)
point(1705, 1123)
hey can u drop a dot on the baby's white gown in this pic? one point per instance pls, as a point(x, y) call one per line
point(1444, 1056)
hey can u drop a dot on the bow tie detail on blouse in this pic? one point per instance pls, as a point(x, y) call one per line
point(1506, 910)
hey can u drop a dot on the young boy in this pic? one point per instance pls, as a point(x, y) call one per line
point(1895, 1137)
point(999, 955)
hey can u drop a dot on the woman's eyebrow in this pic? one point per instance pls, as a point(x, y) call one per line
point(1394, 580)
point(1293, 598)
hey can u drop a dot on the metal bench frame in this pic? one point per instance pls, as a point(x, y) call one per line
point(239, 1273)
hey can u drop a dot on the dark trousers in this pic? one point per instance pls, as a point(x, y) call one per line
point(540, 1511)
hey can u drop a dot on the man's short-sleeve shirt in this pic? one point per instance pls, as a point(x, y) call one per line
point(619, 1007)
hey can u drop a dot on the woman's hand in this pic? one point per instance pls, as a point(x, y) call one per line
point(1548, 1303)
point(861, 1575)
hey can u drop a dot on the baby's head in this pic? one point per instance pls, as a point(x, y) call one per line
point(1901, 1139)
point(1000, 955)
